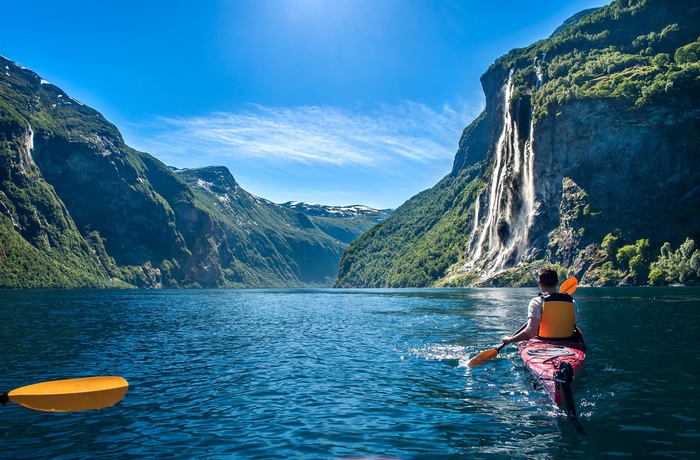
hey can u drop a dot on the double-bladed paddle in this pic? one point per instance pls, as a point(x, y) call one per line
point(568, 287)
point(69, 395)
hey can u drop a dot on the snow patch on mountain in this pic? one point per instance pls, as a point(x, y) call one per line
point(352, 211)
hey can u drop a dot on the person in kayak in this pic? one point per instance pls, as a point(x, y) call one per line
point(550, 315)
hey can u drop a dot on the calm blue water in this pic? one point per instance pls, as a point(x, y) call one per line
point(347, 373)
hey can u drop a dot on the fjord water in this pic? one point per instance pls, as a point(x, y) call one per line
point(347, 373)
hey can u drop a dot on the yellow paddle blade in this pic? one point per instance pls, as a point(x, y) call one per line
point(569, 286)
point(71, 395)
point(483, 357)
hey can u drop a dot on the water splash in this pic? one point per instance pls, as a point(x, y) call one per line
point(501, 239)
point(440, 352)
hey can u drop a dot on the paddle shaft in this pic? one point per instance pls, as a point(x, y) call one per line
point(514, 333)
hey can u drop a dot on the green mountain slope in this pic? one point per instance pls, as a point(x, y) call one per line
point(419, 242)
point(283, 245)
point(79, 208)
point(588, 137)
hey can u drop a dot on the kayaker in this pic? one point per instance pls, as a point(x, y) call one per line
point(559, 321)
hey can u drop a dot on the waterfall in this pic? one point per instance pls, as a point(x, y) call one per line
point(539, 72)
point(25, 155)
point(500, 239)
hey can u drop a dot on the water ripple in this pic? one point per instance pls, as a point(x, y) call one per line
point(344, 374)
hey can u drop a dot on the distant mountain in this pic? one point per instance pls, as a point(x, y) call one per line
point(344, 223)
point(79, 208)
point(586, 156)
point(319, 210)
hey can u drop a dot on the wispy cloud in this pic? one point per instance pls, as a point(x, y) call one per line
point(379, 157)
point(387, 135)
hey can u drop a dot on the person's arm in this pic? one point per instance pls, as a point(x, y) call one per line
point(533, 326)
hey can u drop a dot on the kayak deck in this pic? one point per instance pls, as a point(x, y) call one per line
point(545, 359)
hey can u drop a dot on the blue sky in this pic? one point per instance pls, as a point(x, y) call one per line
point(335, 102)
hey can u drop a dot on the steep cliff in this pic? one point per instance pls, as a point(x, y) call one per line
point(79, 208)
point(40, 245)
point(592, 133)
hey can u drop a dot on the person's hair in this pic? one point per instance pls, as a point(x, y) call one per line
point(547, 277)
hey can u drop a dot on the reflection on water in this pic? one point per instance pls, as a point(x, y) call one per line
point(347, 373)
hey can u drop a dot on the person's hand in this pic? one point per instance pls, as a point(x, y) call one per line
point(506, 339)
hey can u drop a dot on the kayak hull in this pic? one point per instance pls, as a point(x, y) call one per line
point(544, 358)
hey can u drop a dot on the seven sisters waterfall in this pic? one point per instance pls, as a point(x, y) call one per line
point(500, 238)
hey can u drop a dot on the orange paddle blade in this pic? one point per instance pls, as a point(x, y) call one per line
point(71, 395)
point(569, 286)
point(483, 357)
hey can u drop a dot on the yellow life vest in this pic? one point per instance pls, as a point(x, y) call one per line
point(558, 316)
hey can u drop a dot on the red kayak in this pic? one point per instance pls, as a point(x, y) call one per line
point(555, 363)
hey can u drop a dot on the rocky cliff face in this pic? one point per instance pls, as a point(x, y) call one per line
point(592, 132)
point(108, 190)
point(79, 208)
point(638, 169)
point(40, 245)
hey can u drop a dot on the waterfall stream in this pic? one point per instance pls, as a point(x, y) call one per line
point(539, 72)
point(500, 238)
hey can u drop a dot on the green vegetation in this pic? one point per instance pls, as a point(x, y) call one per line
point(634, 263)
point(636, 258)
point(525, 275)
point(676, 267)
point(617, 264)
point(24, 266)
point(420, 241)
point(624, 51)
